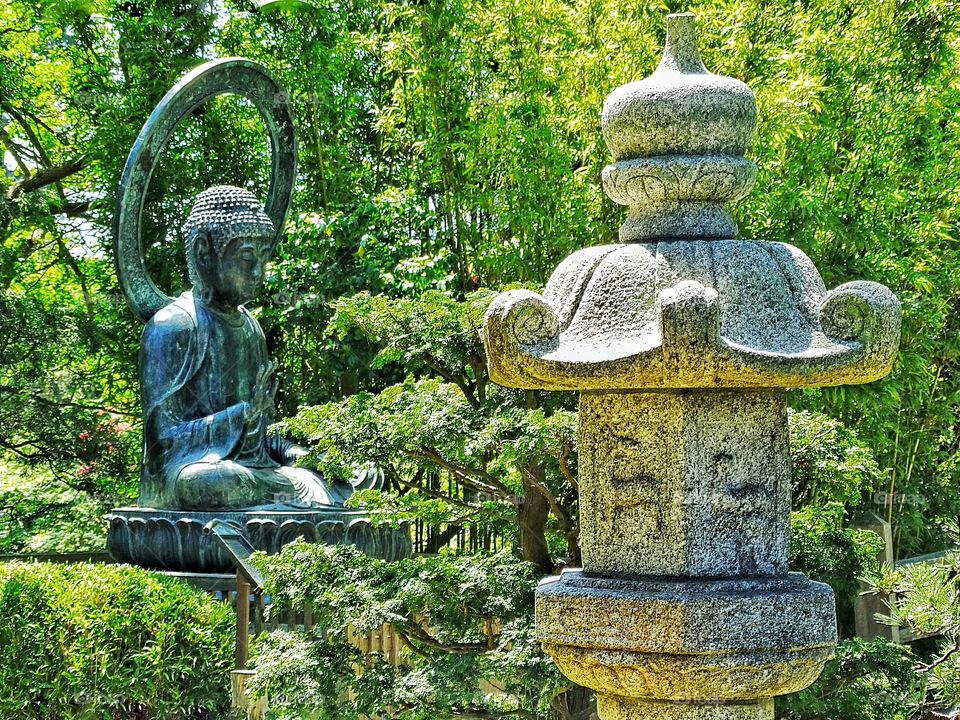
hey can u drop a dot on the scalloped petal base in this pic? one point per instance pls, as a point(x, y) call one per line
point(174, 540)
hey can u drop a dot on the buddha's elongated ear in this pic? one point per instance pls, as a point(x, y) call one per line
point(203, 245)
point(202, 264)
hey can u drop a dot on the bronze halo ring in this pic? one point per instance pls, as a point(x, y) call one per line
point(219, 77)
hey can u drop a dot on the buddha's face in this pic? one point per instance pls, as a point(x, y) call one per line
point(235, 274)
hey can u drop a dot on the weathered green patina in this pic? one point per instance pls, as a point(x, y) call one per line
point(207, 381)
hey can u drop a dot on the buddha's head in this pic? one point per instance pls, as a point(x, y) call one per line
point(229, 238)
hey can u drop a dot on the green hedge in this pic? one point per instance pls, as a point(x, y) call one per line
point(109, 641)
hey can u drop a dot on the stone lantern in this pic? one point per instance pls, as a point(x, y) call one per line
point(682, 341)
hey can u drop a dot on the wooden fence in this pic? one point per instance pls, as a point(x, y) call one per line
point(869, 605)
point(430, 538)
point(254, 616)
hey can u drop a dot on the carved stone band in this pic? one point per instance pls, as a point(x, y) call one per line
point(679, 178)
point(173, 540)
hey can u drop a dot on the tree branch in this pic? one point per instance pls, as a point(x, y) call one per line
point(415, 632)
point(39, 121)
point(40, 454)
point(924, 668)
point(14, 149)
point(478, 479)
point(466, 387)
point(566, 521)
point(81, 278)
point(439, 495)
point(38, 146)
point(72, 209)
point(565, 470)
point(48, 176)
point(406, 641)
point(61, 403)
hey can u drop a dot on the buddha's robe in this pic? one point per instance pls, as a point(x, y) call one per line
point(198, 368)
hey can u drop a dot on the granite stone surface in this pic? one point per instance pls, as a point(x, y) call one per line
point(618, 708)
point(682, 108)
point(681, 484)
point(682, 341)
point(678, 139)
point(611, 317)
point(684, 616)
point(701, 677)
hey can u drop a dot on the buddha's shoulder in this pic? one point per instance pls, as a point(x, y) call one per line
point(178, 317)
point(249, 319)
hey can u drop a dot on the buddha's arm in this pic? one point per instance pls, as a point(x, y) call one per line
point(284, 451)
point(176, 430)
point(209, 438)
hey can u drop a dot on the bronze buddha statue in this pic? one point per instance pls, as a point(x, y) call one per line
point(207, 381)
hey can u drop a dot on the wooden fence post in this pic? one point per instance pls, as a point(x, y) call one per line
point(868, 605)
point(243, 621)
point(240, 698)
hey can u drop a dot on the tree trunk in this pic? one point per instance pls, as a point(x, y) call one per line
point(440, 540)
point(534, 509)
point(576, 703)
point(533, 522)
point(573, 547)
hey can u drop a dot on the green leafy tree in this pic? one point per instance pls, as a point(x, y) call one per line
point(455, 448)
point(830, 463)
point(924, 601)
point(866, 681)
point(825, 550)
point(71, 76)
point(468, 644)
point(456, 144)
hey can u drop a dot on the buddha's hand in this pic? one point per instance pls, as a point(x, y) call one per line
point(261, 407)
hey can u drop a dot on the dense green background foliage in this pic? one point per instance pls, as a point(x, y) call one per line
point(866, 681)
point(450, 148)
point(102, 642)
point(452, 145)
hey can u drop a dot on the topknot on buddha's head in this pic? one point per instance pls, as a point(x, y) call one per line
point(225, 212)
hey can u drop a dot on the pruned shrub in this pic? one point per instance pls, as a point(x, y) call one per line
point(464, 623)
point(109, 641)
point(826, 551)
point(866, 681)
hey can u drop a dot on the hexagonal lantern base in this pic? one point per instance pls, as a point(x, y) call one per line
point(674, 645)
point(617, 708)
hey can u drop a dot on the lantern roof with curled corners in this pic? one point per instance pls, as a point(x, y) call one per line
point(680, 302)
